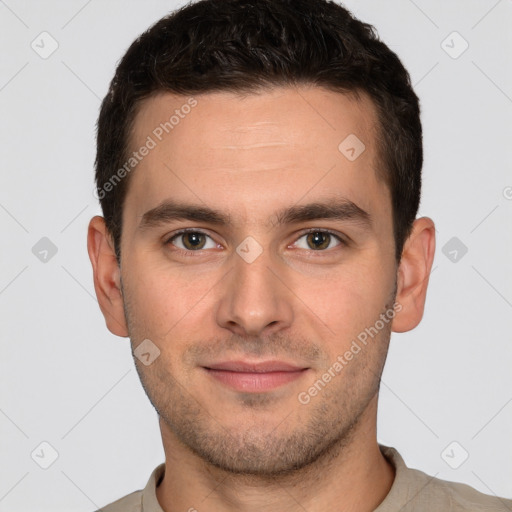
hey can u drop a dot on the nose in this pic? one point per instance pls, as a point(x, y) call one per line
point(255, 300)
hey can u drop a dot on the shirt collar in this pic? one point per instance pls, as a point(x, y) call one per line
point(406, 485)
point(149, 499)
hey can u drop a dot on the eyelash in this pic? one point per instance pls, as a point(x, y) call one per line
point(195, 253)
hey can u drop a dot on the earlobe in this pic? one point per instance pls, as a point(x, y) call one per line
point(413, 275)
point(107, 276)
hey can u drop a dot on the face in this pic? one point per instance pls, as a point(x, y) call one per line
point(287, 259)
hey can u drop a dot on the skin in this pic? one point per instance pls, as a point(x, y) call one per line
point(250, 156)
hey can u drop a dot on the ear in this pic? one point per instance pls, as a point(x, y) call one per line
point(413, 275)
point(107, 276)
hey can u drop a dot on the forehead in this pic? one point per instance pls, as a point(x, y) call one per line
point(248, 153)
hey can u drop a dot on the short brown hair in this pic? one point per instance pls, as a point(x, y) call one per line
point(244, 45)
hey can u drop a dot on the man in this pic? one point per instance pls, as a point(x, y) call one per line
point(259, 170)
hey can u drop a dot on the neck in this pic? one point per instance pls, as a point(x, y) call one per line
point(349, 477)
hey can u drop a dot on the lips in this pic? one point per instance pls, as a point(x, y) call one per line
point(254, 377)
point(256, 367)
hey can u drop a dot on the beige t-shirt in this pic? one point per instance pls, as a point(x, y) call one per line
point(412, 491)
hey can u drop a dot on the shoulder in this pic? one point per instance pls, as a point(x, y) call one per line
point(414, 490)
point(462, 497)
point(130, 503)
point(141, 500)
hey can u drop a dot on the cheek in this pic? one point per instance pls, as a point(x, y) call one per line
point(162, 300)
point(346, 301)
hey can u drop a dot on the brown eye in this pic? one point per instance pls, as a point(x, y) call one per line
point(190, 241)
point(193, 241)
point(318, 240)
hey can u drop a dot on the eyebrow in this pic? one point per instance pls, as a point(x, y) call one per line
point(341, 209)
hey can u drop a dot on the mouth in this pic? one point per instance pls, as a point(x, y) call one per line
point(254, 377)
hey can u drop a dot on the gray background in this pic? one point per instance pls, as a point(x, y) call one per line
point(66, 381)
